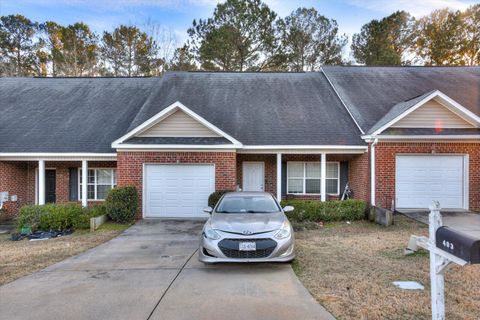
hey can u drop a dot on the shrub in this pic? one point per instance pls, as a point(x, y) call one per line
point(53, 217)
point(314, 210)
point(29, 216)
point(215, 197)
point(122, 204)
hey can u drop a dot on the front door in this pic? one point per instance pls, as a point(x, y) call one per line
point(50, 186)
point(253, 176)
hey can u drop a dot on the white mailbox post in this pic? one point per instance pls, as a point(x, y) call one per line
point(440, 260)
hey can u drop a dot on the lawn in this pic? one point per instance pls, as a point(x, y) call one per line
point(349, 269)
point(19, 258)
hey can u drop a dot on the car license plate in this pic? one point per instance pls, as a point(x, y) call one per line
point(247, 246)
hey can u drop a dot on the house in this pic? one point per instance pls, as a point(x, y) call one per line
point(400, 136)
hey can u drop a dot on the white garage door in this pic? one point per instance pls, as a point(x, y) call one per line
point(422, 179)
point(178, 190)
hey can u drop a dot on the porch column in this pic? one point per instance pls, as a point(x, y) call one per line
point(84, 182)
point(279, 177)
point(323, 179)
point(41, 182)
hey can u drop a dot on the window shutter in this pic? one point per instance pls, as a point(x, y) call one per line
point(73, 184)
point(343, 176)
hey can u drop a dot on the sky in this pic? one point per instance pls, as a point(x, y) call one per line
point(177, 15)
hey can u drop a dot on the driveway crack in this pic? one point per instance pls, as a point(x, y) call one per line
point(171, 283)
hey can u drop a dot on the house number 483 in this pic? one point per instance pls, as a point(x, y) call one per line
point(447, 244)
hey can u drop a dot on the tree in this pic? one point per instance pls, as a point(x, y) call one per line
point(439, 38)
point(183, 60)
point(78, 51)
point(129, 52)
point(52, 39)
point(17, 45)
point(386, 41)
point(471, 35)
point(311, 40)
point(241, 35)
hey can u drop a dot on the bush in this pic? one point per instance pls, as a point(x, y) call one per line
point(83, 221)
point(29, 216)
point(122, 204)
point(215, 197)
point(54, 217)
point(314, 210)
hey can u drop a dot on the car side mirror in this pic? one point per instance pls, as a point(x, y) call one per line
point(288, 209)
point(208, 210)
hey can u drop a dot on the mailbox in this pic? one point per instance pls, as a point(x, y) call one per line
point(458, 244)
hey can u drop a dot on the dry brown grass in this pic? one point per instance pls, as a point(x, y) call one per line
point(349, 269)
point(19, 258)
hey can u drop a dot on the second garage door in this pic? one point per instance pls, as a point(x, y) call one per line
point(422, 179)
point(178, 190)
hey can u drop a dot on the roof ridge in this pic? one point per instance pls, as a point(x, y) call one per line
point(341, 100)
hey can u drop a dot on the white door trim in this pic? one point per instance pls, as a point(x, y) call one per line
point(263, 172)
point(466, 190)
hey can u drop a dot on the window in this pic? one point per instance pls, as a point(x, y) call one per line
point(304, 178)
point(99, 182)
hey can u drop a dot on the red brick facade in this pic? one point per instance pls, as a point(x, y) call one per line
point(13, 178)
point(385, 154)
point(19, 178)
point(359, 176)
point(130, 166)
point(270, 161)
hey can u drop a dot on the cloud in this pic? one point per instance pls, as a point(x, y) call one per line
point(416, 8)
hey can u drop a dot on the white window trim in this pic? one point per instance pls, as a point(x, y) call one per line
point(304, 178)
point(94, 184)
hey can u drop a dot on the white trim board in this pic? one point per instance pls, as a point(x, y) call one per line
point(443, 99)
point(163, 115)
point(52, 156)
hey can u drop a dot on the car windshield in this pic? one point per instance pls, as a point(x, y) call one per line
point(247, 204)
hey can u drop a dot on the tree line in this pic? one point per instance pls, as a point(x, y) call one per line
point(241, 35)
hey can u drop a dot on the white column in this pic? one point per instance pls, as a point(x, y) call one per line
point(84, 183)
point(323, 180)
point(41, 182)
point(279, 177)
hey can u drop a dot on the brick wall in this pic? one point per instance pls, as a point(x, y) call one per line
point(270, 161)
point(130, 167)
point(13, 178)
point(18, 177)
point(385, 154)
point(359, 176)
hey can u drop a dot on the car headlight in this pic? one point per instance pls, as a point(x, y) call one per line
point(284, 231)
point(209, 233)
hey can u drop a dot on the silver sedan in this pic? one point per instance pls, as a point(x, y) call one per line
point(247, 227)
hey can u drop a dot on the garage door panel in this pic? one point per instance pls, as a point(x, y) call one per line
point(422, 179)
point(178, 190)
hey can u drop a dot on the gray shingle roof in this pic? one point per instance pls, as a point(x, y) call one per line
point(370, 92)
point(260, 108)
point(68, 114)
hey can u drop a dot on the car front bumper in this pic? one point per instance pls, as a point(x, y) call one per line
point(209, 251)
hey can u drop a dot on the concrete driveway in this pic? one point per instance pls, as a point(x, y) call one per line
point(151, 271)
point(464, 221)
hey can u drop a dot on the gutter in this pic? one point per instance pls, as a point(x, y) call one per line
point(372, 172)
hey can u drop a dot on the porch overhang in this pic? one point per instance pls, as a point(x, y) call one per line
point(305, 149)
point(55, 156)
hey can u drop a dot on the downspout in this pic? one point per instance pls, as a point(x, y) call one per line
point(372, 172)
